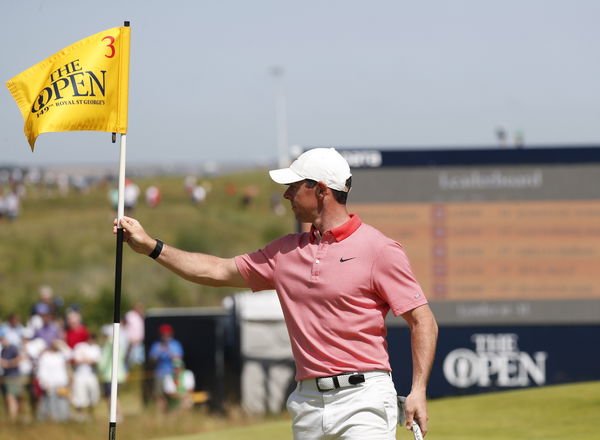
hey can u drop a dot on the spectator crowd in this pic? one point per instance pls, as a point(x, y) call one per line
point(56, 366)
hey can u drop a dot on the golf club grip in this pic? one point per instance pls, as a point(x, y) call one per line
point(416, 429)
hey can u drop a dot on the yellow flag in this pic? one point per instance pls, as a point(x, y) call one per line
point(82, 87)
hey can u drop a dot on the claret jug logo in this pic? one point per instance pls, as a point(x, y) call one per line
point(496, 361)
point(71, 84)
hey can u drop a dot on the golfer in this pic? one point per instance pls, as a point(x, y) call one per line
point(336, 285)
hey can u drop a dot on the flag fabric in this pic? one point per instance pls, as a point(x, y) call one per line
point(82, 87)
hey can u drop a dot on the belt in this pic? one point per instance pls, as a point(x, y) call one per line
point(344, 380)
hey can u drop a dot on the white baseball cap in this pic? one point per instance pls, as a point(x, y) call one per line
point(320, 164)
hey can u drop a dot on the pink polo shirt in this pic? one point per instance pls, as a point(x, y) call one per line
point(335, 294)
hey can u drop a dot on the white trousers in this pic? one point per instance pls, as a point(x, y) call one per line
point(367, 411)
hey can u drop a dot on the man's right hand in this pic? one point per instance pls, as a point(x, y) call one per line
point(135, 236)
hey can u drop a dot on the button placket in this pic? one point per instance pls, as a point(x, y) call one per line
point(319, 256)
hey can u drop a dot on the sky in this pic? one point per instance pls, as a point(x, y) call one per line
point(384, 74)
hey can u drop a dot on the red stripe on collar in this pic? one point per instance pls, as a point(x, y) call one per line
point(341, 232)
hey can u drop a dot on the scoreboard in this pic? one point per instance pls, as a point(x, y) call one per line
point(488, 224)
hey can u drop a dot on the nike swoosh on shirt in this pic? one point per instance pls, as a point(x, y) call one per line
point(343, 260)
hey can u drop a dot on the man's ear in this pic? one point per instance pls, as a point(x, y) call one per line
point(321, 188)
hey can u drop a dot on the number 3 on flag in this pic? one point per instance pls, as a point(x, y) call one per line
point(112, 48)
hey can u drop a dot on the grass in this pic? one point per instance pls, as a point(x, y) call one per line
point(566, 412)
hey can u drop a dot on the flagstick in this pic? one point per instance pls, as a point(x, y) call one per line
point(112, 423)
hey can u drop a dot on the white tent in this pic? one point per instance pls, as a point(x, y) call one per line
point(267, 361)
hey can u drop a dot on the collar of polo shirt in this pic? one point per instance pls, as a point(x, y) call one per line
point(341, 232)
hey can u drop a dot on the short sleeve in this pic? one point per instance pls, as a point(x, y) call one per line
point(394, 281)
point(258, 268)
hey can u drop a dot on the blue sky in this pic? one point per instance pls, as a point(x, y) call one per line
point(357, 73)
